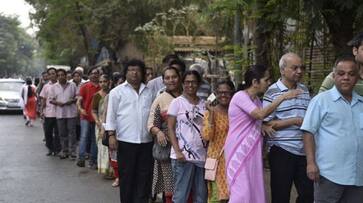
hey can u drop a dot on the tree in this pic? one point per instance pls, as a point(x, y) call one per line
point(70, 29)
point(344, 18)
point(16, 48)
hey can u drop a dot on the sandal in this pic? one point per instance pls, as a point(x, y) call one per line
point(116, 183)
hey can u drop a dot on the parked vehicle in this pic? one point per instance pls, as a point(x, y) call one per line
point(10, 94)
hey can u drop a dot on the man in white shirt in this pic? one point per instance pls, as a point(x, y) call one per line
point(126, 123)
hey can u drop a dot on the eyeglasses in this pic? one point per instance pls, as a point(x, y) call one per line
point(226, 93)
point(295, 67)
point(191, 82)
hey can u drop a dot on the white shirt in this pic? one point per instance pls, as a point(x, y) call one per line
point(128, 112)
point(155, 85)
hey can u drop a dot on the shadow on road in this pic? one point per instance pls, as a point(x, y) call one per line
point(11, 112)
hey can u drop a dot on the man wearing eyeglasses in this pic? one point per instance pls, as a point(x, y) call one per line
point(286, 151)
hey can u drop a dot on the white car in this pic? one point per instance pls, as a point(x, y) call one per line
point(10, 98)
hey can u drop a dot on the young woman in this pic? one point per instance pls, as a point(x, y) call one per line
point(215, 130)
point(243, 147)
point(189, 150)
point(157, 125)
point(30, 102)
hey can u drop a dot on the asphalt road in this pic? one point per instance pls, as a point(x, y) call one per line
point(27, 175)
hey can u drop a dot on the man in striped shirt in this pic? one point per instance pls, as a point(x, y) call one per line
point(286, 151)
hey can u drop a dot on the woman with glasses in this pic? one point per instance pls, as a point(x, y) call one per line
point(157, 125)
point(215, 129)
point(243, 147)
point(188, 153)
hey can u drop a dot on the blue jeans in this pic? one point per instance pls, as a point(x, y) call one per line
point(187, 177)
point(88, 131)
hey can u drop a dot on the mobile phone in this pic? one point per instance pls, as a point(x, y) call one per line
point(212, 98)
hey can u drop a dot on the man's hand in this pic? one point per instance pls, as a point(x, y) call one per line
point(312, 172)
point(83, 112)
point(299, 121)
point(267, 130)
point(71, 101)
point(179, 156)
point(57, 103)
point(112, 142)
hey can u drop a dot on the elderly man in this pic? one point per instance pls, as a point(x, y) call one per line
point(127, 113)
point(333, 138)
point(204, 89)
point(286, 152)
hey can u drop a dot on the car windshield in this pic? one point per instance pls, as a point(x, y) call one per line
point(11, 86)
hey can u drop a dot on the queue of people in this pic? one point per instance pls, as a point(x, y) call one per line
point(161, 135)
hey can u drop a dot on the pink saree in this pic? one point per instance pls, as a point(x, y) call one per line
point(243, 152)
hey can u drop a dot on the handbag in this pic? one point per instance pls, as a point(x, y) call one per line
point(211, 166)
point(161, 153)
point(105, 139)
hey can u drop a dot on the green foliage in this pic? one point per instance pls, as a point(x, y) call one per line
point(16, 48)
point(70, 29)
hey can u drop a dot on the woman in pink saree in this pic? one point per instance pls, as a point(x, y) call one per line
point(243, 147)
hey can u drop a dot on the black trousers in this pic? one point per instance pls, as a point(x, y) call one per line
point(287, 168)
point(135, 165)
point(51, 134)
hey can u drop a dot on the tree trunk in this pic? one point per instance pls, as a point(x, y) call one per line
point(237, 35)
point(86, 36)
point(340, 26)
point(261, 37)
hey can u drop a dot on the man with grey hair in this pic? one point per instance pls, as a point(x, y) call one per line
point(286, 151)
point(204, 89)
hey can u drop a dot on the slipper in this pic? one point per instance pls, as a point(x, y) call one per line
point(116, 183)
